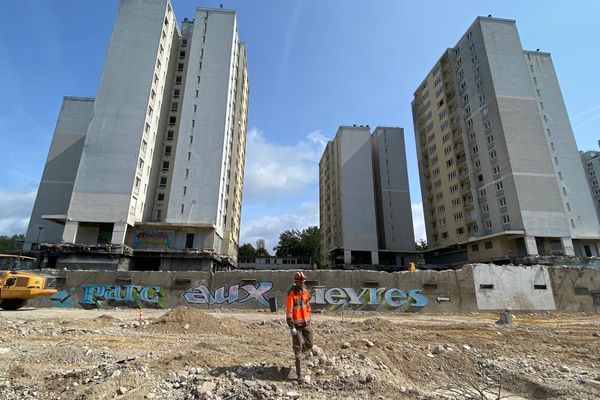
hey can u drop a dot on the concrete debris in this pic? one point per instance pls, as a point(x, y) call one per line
point(220, 357)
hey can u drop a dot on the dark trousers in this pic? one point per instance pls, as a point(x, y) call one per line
point(302, 341)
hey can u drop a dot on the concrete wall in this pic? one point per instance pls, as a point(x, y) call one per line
point(421, 291)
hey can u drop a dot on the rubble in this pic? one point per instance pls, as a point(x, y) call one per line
point(248, 356)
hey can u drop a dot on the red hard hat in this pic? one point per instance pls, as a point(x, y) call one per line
point(299, 276)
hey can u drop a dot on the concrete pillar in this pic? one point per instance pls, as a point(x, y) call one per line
point(374, 257)
point(568, 246)
point(70, 231)
point(119, 232)
point(531, 246)
point(347, 257)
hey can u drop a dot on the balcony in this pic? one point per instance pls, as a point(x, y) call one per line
point(465, 188)
point(461, 160)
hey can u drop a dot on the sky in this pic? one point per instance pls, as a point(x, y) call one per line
point(313, 65)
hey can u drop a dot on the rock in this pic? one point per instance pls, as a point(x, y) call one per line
point(439, 349)
point(466, 347)
point(596, 334)
point(317, 351)
point(206, 388)
point(306, 379)
point(368, 343)
point(4, 350)
point(346, 345)
point(430, 355)
point(564, 368)
point(121, 391)
point(293, 395)
point(172, 377)
point(150, 396)
point(186, 326)
point(249, 383)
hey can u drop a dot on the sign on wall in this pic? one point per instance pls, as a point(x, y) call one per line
point(153, 239)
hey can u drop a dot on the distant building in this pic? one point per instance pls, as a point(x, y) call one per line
point(156, 161)
point(364, 199)
point(274, 263)
point(591, 166)
point(500, 172)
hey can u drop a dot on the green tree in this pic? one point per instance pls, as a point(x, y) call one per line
point(295, 243)
point(261, 251)
point(421, 245)
point(247, 250)
point(11, 244)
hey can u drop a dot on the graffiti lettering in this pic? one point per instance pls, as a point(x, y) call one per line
point(389, 298)
point(201, 294)
point(98, 295)
point(153, 239)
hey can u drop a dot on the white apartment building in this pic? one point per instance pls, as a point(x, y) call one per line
point(500, 172)
point(591, 166)
point(364, 199)
point(162, 153)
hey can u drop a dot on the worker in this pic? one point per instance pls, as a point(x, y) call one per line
point(297, 312)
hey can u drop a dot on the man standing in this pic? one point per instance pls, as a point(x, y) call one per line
point(297, 311)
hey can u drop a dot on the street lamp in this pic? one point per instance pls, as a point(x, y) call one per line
point(37, 242)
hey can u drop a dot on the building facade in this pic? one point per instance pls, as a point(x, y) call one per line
point(499, 167)
point(591, 166)
point(162, 161)
point(364, 198)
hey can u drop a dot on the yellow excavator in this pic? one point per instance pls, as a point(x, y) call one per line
point(17, 286)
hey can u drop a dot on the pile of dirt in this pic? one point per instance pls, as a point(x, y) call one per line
point(186, 320)
point(378, 325)
point(107, 319)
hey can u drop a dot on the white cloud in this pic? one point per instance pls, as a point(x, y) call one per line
point(418, 221)
point(269, 227)
point(15, 210)
point(276, 170)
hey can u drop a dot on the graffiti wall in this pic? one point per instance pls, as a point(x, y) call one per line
point(93, 296)
point(153, 239)
point(202, 294)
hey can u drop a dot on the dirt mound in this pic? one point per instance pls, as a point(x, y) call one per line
point(378, 325)
point(107, 319)
point(186, 320)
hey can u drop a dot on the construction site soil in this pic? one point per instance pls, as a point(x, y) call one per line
point(187, 353)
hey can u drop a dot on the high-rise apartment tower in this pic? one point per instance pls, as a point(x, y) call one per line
point(156, 161)
point(364, 199)
point(500, 172)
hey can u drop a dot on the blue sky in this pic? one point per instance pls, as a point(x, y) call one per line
point(313, 65)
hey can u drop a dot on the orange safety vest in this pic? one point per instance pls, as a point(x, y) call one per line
point(297, 307)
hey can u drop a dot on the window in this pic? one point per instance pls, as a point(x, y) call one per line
point(163, 182)
point(487, 126)
point(182, 208)
point(147, 128)
point(548, 132)
point(505, 219)
point(502, 202)
point(488, 224)
point(496, 170)
point(176, 93)
point(187, 173)
point(490, 139)
point(488, 245)
point(439, 196)
point(137, 182)
point(174, 106)
point(193, 123)
point(492, 154)
point(475, 149)
point(158, 65)
point(170, 135)
point(453, 188)
point(184, 190)
point(195, 108)
point(499, 185)
point(458, 216)
point(475, 247)
point(181, 54)
point(191, 139)
point(460, 231)
point(451, 175)
point(165, 166)
point(150, 111)
point(155, 79)
point(444, 235)
point(141, 163)
point(449, 162)
point(564, 191)
point(485, 208)
point(482, 193)
point(161, 197)
point(197, 93)
point(152, 94)
point(541, 105)
point(442, 222)
point(144, 146)
point(178, 80)
point(189, 155)
point(455, 202)
point(168, 150)
point(172, 120)
point(180, 67)
point(198, 78)
point(441, 208)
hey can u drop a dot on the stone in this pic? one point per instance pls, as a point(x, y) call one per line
point(150, 396)
point(4, 350)
point(564, 368)
point(368, 343)
point(121, 391)
point(306, 379)
point(293, 395)
point(438, 349)
point(186, 326)
point(346, 345)
point(172, 377)
point(466, 347)
point(596, 334)
point(430, 355)
point(206, 388)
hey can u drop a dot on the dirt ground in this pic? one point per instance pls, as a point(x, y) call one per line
point(190, 354)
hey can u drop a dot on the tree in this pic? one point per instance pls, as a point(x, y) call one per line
point(295, 243)
point(11, 244)
point(247, 250)
point(260, 249)
point(421, 245)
